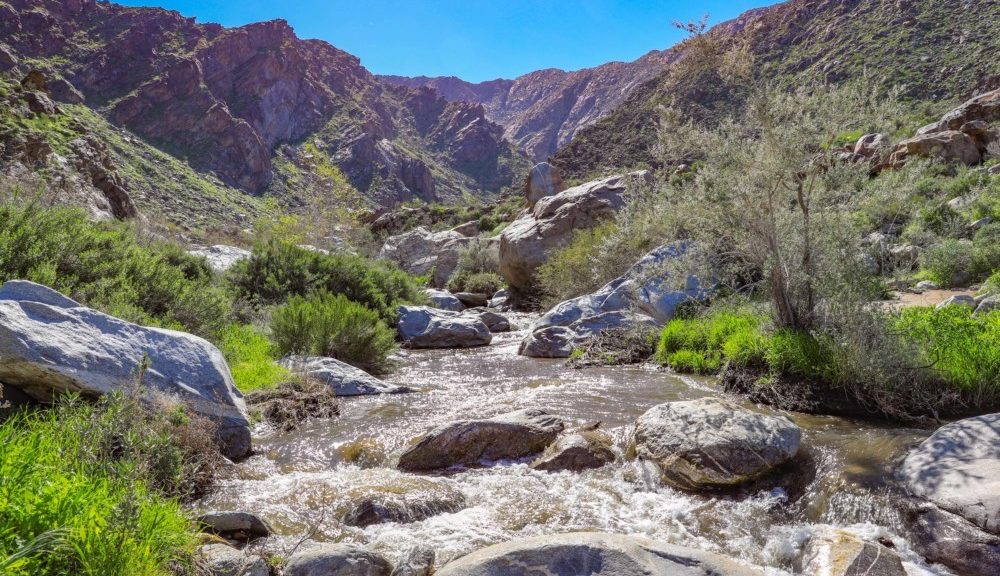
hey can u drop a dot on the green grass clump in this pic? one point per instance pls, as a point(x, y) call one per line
point(251, 357)
point(962, 349)
point(106, 265)
point(336, 327)
point(90, 489)
point(277, 270)
point(700, 345)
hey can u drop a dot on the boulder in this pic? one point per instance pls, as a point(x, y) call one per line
point(577, 451)
point(418, 561)
point(950, 145)
point(444, 300)
point(839, 553)
point(223, 560)
point(710, 443)
point(525, 244)
point(495, 322)
point(500, 299)
point(239, 526)
point(544, 180)
point(958, 469)
point(904, 256)
point(8, 60)
point(592, 554)
point(401, 500)
point(220, 257)
point(644, 295)
point(421, 252)
point(423, 327)
point(987, 305)
point(470, 229)
point(51, 345)
point(337, 560)
point(342, 378)
point(871, 145)
point(949, 539)
point(64, 91)
point(473, 300)
point(468, 442)
point(927, 285)
point(985, 107)
point(958, 300)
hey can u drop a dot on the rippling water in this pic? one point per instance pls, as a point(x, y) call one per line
point(302, 481)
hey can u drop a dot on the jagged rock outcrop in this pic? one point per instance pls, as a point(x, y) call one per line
point(594, 554)
point(526, 243)
point(543, 110)
point(50, 345)
point(962, 135)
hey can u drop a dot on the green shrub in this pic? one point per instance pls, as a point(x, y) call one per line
point(576, 268)
point(106, 265)
point(949, 263)
point(694, 362)
point(277, 270)
point(87, 489)
point(962, 349)
point(476, 282)
point(800, 354)
point(251, 357)
point(336, 327)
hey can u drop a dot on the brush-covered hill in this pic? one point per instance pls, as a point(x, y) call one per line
point(253, 109)
point(935, 50)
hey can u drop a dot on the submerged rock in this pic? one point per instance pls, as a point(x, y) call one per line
point(223, 560)
point(238, 526)
point(592, 554)
point(50, 345)
point(419, 561)
point(711, 444)
point(467, 442)
point(840, 553)
point(342, 378)
point(337, 560)
point(402, 500)
point(576, 451)
point(423, 327)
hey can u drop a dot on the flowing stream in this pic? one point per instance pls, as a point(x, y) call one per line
point(301, 481)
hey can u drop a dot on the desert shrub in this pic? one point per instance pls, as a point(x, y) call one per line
point(476, 282)
point(478, 269)
point(92, 489)
point(332, 325)
point(277, 270)
point(251, 357)
point(108, 266)
point(949, 263)
point(577, 268)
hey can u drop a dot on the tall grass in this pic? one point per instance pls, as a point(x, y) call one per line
point(91, 489)
point(251, 357)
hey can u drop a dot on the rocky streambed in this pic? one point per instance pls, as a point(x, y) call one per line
point(336, 480)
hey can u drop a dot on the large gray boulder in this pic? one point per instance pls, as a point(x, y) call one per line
point(337, 560)
point(958, 469)
point(423, 327)
point(238, 526)
point(646, 295)
point(467, 442)
point(220, 257)
point(444, 300)
point(421, 252)
point(712, 444)
point(592, 554)
point(945, 538)
point(51, 345)
point(342, 378)
point(526, 243)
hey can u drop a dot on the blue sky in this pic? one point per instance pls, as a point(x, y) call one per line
point(474, 39)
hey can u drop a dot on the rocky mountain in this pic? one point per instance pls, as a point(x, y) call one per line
point(544, 110)
point(256, 108)
point(935, 50)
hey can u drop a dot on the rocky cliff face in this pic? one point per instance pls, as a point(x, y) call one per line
point(242, 103)
point(544, 110)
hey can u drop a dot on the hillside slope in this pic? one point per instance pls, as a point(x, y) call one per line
point(545, 109)
point(934, 49)
point(255, 107)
